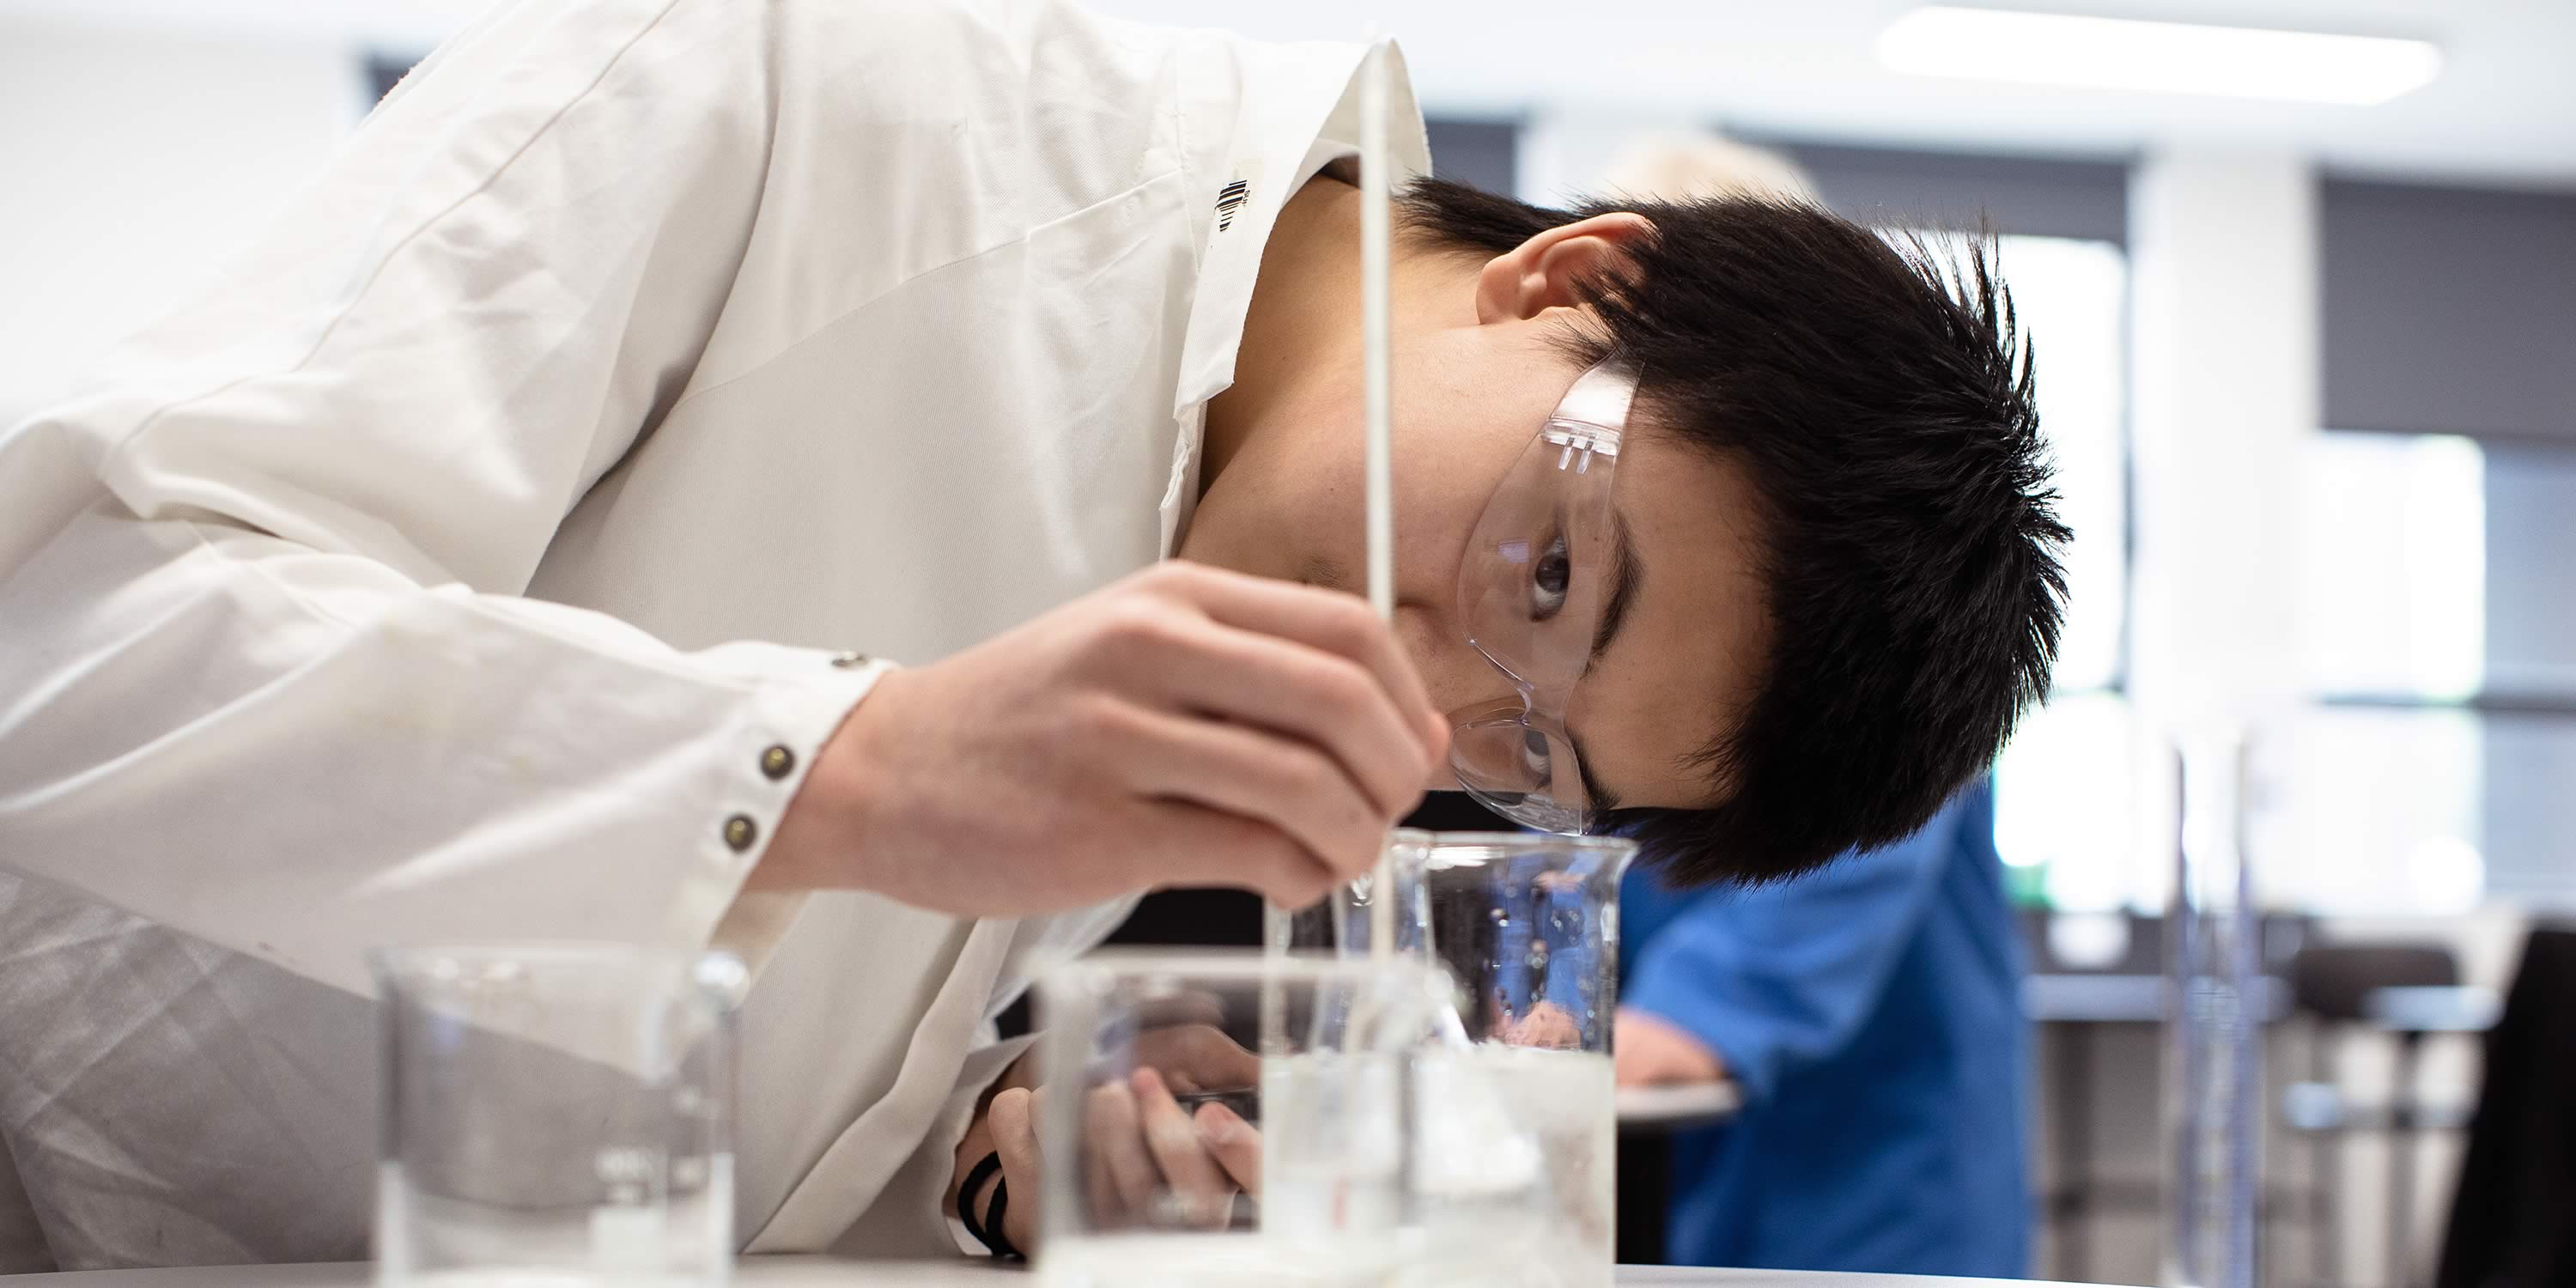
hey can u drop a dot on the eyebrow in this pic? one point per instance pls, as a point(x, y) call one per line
point(1627, 572)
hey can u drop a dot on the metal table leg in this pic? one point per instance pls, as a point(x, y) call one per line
point(2074, 1097)
point(2402, 1119)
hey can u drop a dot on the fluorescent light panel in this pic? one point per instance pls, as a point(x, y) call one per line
point(2159, 57)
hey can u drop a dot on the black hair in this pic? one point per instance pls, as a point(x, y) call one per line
point(1879, 396)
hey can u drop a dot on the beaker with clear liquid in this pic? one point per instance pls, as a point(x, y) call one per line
point(556, 1116)
point(1303, 1063)
point(1527, 925)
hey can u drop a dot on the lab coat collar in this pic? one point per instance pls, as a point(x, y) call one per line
point(1259, 120)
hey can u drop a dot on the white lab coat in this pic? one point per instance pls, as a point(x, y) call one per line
point(445, 572)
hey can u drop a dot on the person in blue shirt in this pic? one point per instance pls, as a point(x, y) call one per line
point(1870, 1014)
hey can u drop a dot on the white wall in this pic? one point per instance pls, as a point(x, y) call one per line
point(2223, 276)
point(128, 164)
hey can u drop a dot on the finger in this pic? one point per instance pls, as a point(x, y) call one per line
point(1206, 1195)
point(1112, 1134)
point(1329, 702)
point(1234, 1143)
point(1183, 1010)
point(1212, 1060)
point(1191, 844)
point(1548, 1025)
point(1109, 1206)
point(1258, 775)
point(1331, 620)
point(1108, 1211)
point(1012, 1118)
point(1195, 1057)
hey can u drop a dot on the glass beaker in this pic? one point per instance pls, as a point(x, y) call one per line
point(556, 1114)
point(1527, 924)
point(1224, 1118)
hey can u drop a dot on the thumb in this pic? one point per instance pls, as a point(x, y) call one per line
point(1236, 1144)
point(1013, 1120)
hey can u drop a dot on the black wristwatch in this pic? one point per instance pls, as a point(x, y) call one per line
point(987, 1228)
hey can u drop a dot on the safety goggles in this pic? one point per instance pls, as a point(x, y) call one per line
point(1531, 594)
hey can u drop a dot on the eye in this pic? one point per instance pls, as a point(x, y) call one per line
point(1549, 576)
point(1535, 758)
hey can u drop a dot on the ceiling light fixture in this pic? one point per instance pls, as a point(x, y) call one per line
point(2159, 57)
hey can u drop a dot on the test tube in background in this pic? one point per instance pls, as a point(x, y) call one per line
point(2213, 1028)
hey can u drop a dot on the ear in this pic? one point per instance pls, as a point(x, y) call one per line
point(1541, 273)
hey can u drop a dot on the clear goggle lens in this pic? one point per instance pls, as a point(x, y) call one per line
point(1532, 589)
point(1521, 768)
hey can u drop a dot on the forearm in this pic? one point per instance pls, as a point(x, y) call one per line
point(357, 760)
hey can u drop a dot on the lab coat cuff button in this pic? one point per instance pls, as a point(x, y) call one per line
point(740, 832)
point(849, 661)
point(777, 763)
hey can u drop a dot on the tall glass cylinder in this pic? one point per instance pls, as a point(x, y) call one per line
point(2213, 1028)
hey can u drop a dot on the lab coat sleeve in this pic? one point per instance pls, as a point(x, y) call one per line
point(1782, 976)
point(267, 675)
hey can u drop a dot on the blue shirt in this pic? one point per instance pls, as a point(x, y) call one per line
point(1871, 1014)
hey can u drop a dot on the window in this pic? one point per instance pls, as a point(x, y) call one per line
point(2440, 640)
point(2065, 789)
point(2066, 804)
point(2440, 647)
point(2072, 297)
point(2392, 558)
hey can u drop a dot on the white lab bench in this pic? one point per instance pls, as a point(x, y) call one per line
point(817, 1272)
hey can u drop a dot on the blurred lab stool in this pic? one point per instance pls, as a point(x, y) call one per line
point(2408, 991)
point(2086, 970)
point(2510, 1219)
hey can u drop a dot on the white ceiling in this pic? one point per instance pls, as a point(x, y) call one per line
point(2504, 108)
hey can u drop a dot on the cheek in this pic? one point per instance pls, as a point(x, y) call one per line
point(1454, 673)
point(1457, 678)
point(1437, 506)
